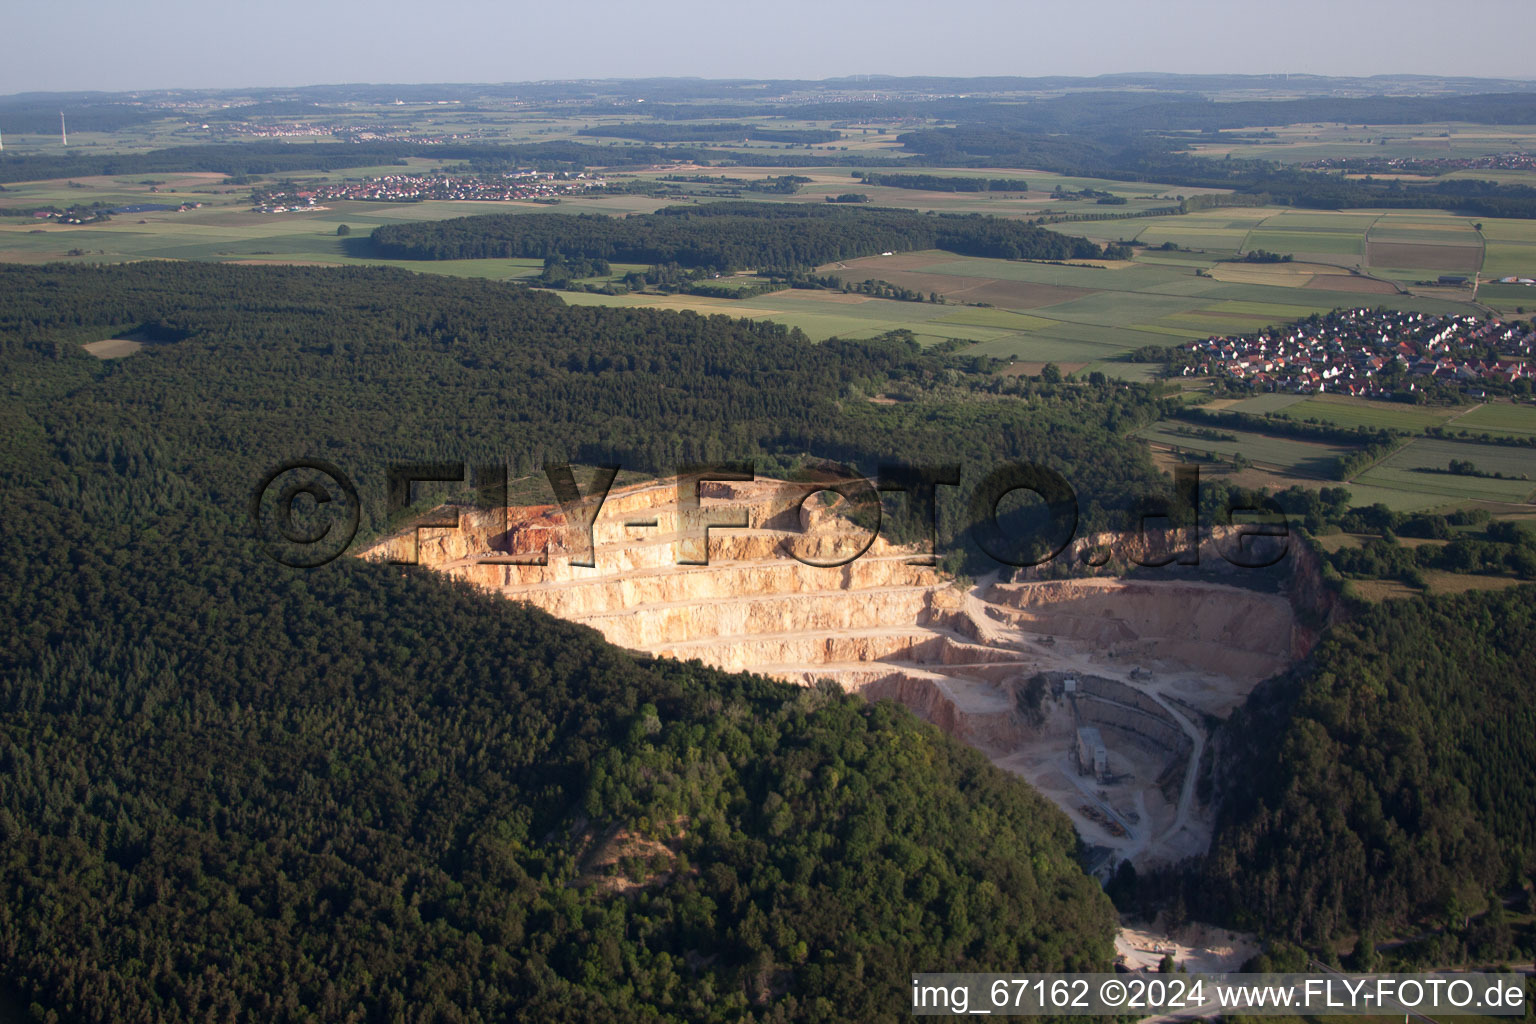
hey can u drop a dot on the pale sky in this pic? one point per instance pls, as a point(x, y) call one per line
point(110, 45)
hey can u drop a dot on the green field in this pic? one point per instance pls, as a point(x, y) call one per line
point(1141, 373)
point(1261, 405)
point(1399, 481)
point(1510, 252)
point(1394, 498)
point(1406, 246)
point(1499, 418)
point(1317, 237)
point(1404, 470)
point(1220, 230)
point(1298, 143)
point(1287, 455)
point(1356, 412)
point(1006, 319)
point(1083, 313)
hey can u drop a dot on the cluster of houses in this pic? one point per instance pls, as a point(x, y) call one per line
point(1514, 161)
point(342, 132)
point(1371, 353)
point(93, 214)
point(410, 188)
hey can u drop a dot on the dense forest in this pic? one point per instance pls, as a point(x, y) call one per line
point(726, 236)
point(229, 789)
point(514, 376)
point(1389, 782)
point(233, 791)
point(944, 182)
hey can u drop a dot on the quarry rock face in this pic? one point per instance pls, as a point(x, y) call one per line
point(1013, 669)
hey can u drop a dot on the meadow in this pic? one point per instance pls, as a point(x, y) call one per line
point(1355, 412)
point(1411, 479)
point(1369, 251)
point(1258, 405)
point(1284, 455)
point(1510, 250)
point(1418, 468)
point(1079, 314)
point(1500, 418)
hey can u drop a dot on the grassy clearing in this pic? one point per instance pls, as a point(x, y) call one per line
point(1377, 591)
point(1442, 582)
point(1140, 373)
point(1332, 542)
point(113, 348)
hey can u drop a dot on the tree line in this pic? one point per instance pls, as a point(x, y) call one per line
point(726, 236)
point(943, 182)
point(694, 132)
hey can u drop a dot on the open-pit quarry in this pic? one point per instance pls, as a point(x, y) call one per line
point(1098, 691)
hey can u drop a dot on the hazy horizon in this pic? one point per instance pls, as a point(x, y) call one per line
point(174, 44)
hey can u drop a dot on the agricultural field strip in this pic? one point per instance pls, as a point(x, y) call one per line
point(1299, 458)
point(1406, 470)
point(1498, 419)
